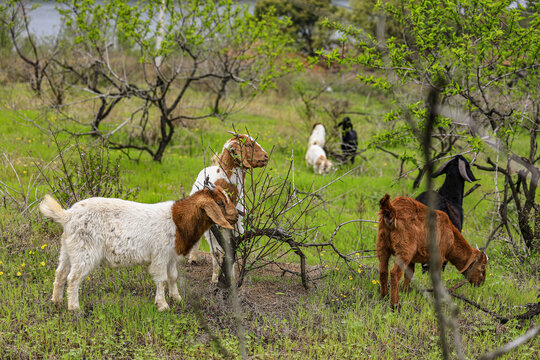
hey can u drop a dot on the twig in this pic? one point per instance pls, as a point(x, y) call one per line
point(534, 309)
point(530, 334)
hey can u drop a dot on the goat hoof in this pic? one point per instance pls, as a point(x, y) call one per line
point(396, 307)
point(163, 307)
point(177, 297)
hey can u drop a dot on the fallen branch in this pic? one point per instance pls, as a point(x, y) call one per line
point(535, 308)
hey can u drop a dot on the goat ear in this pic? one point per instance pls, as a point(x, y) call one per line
point(238, 155)
point(214, 212)
point(245, 160)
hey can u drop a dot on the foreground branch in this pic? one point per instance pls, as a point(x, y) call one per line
point(530, 334)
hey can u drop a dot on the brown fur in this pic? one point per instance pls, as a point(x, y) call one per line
point(403, 233)
point(243, 152)
point(320, 160)
point(197, 213)
point(229, 188)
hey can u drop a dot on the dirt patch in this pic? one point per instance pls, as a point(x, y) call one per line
point(267, 292)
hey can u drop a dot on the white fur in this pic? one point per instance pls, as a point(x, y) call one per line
point(313, 153)
point(318, 136)
point(116, 233)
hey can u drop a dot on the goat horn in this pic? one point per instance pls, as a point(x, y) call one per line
point(208, 184)
point(233, 133)
point(483, 252)
point(463, 170)
point(441, 169)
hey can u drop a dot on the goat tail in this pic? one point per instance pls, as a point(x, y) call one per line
point(50, 208)
point(388, 212)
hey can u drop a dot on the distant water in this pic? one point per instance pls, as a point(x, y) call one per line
point(45, 21)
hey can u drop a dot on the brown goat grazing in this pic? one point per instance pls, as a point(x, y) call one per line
point(403, 233)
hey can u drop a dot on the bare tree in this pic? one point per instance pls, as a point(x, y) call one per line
point(35, 53)
point(216, 47)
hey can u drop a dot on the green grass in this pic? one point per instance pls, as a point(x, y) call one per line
point(342, 317)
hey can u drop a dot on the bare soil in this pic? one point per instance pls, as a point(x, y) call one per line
point(268, 291)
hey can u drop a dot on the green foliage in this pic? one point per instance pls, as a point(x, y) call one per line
point(472, 48)
point(5, 37)
point(180, 47)
point(365, 14)
point(305, 20)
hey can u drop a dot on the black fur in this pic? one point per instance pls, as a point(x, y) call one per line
point(449, 198)
point(349, 140)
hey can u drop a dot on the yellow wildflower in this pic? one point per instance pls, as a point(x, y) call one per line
point(1, 273)
point(357, 254)
point(375, 282)
point(43, 246)
point(43, 263)
point(23, 265)
point(19, 273)
point(359, 270)
point(350, 277)
point(31, 252)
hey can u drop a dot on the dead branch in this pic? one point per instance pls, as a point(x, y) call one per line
point(532, 312)
point(530, 334)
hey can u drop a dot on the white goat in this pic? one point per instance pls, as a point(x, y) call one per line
point(238, 155)
point(318, 135)
point(117, 232)
point(316, 157)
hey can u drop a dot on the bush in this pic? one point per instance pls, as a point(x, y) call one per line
point(91, 172)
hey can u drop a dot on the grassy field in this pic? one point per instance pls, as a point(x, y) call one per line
point(341, 316)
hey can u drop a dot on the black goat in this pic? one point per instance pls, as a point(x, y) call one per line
point(449, 198)
point(349, 140)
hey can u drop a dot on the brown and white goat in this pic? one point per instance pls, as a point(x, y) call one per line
point(239, 154)
point(403, 233)
point(121, 233)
